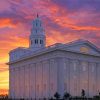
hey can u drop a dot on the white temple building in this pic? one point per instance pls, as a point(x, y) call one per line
point(40, 71)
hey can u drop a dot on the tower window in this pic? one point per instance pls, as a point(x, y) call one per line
point(36, 31)
point(36, 24)
point(36, 41)
point(41, 41)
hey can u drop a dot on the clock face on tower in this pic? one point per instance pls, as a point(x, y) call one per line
point(84, 49)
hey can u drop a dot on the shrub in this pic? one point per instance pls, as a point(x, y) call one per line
point(57, 95)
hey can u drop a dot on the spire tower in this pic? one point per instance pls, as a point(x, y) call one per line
point(37, 37)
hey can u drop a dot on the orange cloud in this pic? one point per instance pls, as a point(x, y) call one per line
point(57, 37)
point(65, 19)
point(5, 22)
point(4, 79)
point(69, 23)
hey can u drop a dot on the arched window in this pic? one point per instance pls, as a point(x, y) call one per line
point(36, 41)
point(41, 41)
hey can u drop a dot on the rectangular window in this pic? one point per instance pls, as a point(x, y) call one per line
point(74, 65)
point(40, 41)
point(36, 41)
point(92, 68)
point(84, 66)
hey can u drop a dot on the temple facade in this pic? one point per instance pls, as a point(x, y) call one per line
point(40, 71)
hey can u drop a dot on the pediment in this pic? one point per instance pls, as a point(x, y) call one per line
point(83, 47)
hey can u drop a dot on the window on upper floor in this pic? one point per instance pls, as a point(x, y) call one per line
point(92, 67)
point(74, 65)
point(84, 66)
point(65, 67)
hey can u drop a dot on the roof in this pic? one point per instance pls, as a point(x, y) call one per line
point(69, 47)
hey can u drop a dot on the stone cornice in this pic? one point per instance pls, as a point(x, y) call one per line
point(48, 50)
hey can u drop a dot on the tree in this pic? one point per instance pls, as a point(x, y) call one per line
point(66, 95)
point(83, 93)
point(57, 95)
point(99, 93)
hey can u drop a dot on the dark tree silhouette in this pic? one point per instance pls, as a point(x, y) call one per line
point(83, 93)
point(99, 93)
point(66, 95)
point(57, 95)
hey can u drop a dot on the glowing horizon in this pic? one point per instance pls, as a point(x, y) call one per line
point(64, 21)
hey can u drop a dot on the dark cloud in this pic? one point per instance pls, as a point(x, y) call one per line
point(75, 5)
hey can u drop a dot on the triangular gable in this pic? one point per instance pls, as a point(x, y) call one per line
point(82, 46)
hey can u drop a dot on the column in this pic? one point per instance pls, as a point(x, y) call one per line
point(15, 83)
point(32, 81)
point(92, 79)
point(11, 83)
point(39, 80)
point(53, 77)
point(98, 78)
point(74, 77)
point(66, 76)
point(45, 79)
point(26, 81)
point(84, 77)
point(23, 81)
point(61, 64)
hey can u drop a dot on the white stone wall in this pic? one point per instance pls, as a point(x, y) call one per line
point(92, 79)
point(42, 77)
point(98, 77)
point(80, 75)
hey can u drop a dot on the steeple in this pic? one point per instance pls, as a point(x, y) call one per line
point(37, 37)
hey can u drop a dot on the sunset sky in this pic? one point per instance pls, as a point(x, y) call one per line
point(64, 21)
